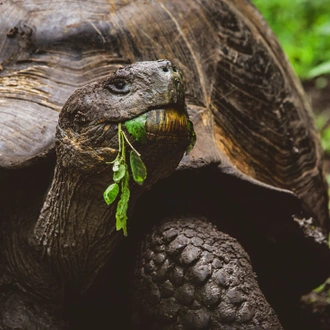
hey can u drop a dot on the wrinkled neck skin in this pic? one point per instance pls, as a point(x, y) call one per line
point(76, 229)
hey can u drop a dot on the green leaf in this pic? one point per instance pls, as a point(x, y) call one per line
point(111, 193)
point(122, 206)
point(138, 168)
point(325, 134)
point(119, 174)
point(116, 165)
point(136, 127)
point(319, 288)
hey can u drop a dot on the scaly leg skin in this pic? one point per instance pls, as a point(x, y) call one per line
point(20, 311)
point(189, 275)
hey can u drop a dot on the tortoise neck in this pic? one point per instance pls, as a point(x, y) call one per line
point(75, 230)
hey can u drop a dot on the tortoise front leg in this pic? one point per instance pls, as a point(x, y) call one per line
point(189, 275)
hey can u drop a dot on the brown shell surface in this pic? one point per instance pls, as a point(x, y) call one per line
point(238, 81)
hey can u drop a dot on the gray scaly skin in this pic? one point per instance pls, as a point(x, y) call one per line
point(192, 276)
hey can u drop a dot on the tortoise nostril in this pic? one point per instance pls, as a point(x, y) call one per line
point(174, 68)
point(165, 69)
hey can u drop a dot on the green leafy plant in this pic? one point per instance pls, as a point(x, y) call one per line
point(121, 178)
point(322, 122)
point(303, 29)
point(325, 289)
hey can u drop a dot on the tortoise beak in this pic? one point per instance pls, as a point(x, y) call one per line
point(169, 82)
point(176, 86)
point(170, 120)
point(167, 120)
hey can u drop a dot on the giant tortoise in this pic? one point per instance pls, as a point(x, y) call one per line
point(226, 236)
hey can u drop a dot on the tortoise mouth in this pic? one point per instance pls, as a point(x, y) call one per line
point(166, 122)
point(161, 123)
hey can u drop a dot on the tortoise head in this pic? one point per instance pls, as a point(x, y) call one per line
point(90, 133)
point(152, 93)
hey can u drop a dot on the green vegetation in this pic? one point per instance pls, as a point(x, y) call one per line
point(137, 128)
point(303, 29)
point(121, 176)
point(322, 124)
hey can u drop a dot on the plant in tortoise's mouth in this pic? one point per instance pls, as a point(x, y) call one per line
point(121, 176)
point(120, 167)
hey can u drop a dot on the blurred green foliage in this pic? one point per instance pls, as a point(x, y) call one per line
point(303, 29)
point(323, 125)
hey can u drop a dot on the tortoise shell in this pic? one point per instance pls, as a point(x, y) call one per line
point(247, 104)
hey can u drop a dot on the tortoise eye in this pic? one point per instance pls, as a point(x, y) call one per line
point(119, 87)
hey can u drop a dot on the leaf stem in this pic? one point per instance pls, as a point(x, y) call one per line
point(121, 176)
point(129, 143)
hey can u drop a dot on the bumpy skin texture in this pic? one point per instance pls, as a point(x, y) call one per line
point(192, 276)
point(19, 311)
